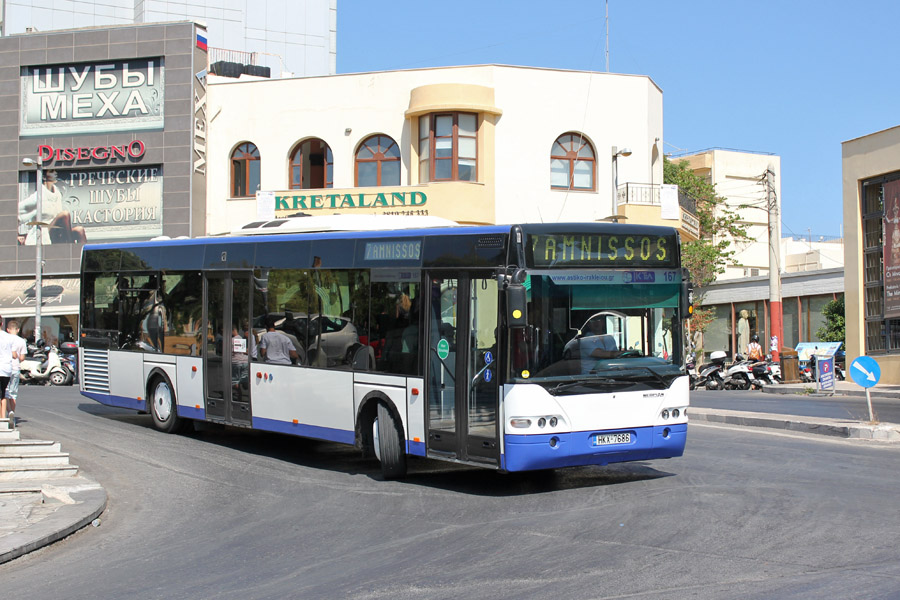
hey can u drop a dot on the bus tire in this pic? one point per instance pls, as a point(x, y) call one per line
point(161, 400)
point(391, 450)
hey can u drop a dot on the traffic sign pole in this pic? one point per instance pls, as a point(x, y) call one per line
point(866, 373)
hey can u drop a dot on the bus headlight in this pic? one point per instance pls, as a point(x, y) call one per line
point(541, 422)
point(665, 413)
point(520, 423)
point(553, 421)
point(675, 413)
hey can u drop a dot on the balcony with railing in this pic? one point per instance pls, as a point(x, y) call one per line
point(633, 197)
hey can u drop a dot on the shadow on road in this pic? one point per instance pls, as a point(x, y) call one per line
point(341, 458)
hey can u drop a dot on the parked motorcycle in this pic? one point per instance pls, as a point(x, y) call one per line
point(712, 375)
point(68, 356)
point(737, 376)
point(42, 365)
point(693, 375)
point(763, 373)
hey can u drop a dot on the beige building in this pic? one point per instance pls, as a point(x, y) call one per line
point(739, 177)
point(475, 144)
point(871, 192)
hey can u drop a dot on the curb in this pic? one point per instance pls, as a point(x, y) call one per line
point(80, 502)
point(888, 432)
point(809, 389)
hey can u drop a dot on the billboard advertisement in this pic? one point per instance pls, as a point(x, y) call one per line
point(88, 205)
point(892, 249)
point(115, 95)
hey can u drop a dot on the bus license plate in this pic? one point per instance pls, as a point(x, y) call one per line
point(611, 438)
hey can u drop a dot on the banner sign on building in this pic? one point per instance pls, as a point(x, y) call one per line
point(892, 249)
point(88, 205)
point(115, 95)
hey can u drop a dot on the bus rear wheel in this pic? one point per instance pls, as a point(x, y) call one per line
point(162, 406)
point(389, 447)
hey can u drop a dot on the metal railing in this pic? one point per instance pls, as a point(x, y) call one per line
point(648, 194)
point(234, 56)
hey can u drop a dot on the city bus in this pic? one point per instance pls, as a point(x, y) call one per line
point(511, 347)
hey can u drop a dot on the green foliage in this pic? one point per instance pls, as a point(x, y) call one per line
point(833, 330)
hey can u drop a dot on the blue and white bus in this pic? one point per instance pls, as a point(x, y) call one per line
point(512, 347)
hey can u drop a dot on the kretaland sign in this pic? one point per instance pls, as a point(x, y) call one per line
point(414, 202)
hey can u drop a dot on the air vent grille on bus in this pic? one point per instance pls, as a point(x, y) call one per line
point(95, 371)
point(490, 241)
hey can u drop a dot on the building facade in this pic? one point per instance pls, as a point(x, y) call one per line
point(291, 37)
point(741, 309)
point(478, 144)
point(115, 117)
point(740, 178)
point(871, 195)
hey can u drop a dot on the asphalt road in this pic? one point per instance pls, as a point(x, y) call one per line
point(746, 513)
point(831, 407)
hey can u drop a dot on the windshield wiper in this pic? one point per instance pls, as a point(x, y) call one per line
point(600, 382)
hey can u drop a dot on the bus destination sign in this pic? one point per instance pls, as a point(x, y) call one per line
point(564, 250)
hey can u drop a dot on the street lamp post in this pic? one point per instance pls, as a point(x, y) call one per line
point(616, 153)
point(38, 244)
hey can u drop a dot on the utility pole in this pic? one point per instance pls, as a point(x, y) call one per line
point(607, 36)
point(774, 264)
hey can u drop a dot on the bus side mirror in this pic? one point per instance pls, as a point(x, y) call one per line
point(687, 299)
point(516, 306)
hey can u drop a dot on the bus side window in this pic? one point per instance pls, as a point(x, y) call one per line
point(397, 328)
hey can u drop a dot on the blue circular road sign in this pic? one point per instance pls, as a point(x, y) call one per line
point(865, 371)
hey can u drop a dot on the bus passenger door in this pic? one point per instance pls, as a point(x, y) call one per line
point(227, 347)
point(462, 376)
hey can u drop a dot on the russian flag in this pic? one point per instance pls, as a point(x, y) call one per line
point(201, 42)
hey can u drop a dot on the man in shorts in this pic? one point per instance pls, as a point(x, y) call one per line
point(5, 367)
point(18, 355)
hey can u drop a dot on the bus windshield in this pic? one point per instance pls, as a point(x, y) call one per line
point(608, 326)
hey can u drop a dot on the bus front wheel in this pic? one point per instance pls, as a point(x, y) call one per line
point(162, 406)
point(389, 447)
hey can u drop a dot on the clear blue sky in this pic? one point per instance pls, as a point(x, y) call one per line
point(790, 77)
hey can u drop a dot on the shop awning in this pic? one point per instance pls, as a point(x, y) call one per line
point(60, 296)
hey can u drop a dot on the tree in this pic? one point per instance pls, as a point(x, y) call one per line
point(720, 226)
point(833, 330)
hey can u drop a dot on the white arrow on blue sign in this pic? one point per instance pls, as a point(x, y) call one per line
point(865, 371)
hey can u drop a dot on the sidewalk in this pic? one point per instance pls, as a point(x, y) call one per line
point(843, 428)
point(42, 497)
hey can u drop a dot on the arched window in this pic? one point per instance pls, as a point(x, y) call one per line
point(312, 166)
point(244, 171)
point(572, 164)
point(378, 162)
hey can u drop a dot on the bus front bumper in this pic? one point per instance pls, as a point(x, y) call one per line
point(551, 451)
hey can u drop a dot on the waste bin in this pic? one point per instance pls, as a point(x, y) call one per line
point(790, 366)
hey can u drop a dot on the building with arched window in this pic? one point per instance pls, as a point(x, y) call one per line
point(475, 144)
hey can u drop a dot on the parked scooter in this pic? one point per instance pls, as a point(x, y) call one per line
point(693, 375)
point(763, 373)
point(68, 356)
point(737, 376)
point(43, 366)
point(712, 375)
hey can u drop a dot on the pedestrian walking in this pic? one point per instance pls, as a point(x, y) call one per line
point(18, 354)
point(5, 367)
